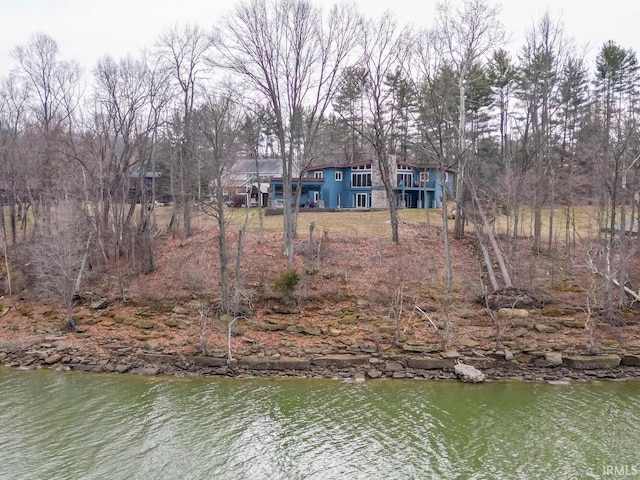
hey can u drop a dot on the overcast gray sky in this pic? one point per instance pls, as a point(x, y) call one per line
point(88, 29)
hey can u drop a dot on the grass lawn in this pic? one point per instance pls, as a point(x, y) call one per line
point(372, 224)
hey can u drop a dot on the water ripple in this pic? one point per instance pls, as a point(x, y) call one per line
point(59, 426)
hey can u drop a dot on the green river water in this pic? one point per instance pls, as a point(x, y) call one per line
point(82, 426)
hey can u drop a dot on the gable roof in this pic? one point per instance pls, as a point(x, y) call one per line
point(266, 166)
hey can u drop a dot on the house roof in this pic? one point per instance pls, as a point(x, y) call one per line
point(266, 166)
point(338, 165)
point(297, 179)
point(417, 166)
point(242, 171)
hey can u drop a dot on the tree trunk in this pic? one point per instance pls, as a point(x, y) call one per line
point(393, 213)
point(225, 301)
point(445, 235)
point(458, 231)
point(4, 249)
point(260, 219)
point(622, 276)
point(485, 255)
point(288, 219)
point(238, 273)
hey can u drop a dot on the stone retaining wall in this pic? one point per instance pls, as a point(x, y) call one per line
point(57, 353)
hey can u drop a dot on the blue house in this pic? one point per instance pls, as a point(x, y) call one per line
point(359, 185)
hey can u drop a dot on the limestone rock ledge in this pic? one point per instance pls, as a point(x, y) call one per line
point(595, 362)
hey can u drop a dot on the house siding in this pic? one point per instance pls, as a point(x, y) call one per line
point(327, 192)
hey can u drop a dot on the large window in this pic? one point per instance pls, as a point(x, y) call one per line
point(404, 176)
point(361, 200)
point(405, 180)
point(361, 176)
point(360, 180)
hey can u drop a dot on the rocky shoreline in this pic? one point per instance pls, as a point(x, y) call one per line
point(59, 352)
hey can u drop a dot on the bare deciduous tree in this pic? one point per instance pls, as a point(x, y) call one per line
point(467, 34)
point(219, 122)
point(59, 257)
point(433, 78)
point(182, 52)
point(290, 53)
point(53, 87)
point(385, 49)
point(127, 101)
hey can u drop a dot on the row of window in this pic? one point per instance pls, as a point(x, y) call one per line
point(320, 174)
point(360, 200)
point(364, 179)
point(360, 179)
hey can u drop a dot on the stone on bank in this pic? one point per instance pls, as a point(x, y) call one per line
point(469, 373)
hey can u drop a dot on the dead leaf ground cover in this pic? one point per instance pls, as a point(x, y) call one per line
point(349, 274)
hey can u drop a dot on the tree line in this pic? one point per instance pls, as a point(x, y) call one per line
point(533, 126)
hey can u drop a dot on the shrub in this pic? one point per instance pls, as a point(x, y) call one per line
point(286, 282)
